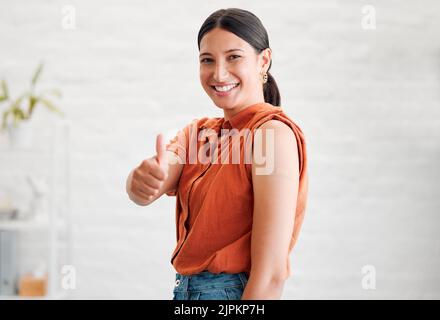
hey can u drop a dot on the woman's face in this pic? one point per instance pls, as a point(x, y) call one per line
point(230, 70)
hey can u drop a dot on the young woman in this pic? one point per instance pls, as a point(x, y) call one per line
point(231, 213)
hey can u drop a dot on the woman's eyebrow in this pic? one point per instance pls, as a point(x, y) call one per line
point(227, 51)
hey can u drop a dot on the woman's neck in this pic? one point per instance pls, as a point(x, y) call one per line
point(229, 113)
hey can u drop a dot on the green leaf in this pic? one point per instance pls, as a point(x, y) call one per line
point(18, 101)
point(37, 74)
point(18, 114)
point(49, 105)
point(32, 102)
point(5, 94)
point(5, 118)
point(54, 92)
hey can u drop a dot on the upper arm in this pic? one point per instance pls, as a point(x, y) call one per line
point(275, 186)
point(174, 172)
point(177, 149)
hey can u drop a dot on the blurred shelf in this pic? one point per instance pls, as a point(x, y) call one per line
point(16, 151)
point(23, 150)
point(30, 224)
point(58, 296)
point(49, 157)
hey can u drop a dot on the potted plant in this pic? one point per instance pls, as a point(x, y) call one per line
point(19, 111)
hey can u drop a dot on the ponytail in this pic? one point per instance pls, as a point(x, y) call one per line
point(271, 91)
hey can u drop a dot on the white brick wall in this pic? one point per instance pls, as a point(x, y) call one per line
point(367, 100)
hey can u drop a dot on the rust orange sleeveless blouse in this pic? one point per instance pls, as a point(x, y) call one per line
point(214, 201)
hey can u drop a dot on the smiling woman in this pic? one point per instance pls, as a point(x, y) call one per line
point(235, 59)
point(229, 215)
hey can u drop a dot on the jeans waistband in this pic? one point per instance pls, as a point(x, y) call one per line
point(206, 280)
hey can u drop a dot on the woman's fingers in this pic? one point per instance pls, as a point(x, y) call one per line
point(143, 190)
point(158, 172)
point(152, 182)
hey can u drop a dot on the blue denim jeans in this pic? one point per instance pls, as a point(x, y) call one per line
point(210, 286)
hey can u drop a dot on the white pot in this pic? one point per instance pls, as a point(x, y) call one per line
point(20, 136)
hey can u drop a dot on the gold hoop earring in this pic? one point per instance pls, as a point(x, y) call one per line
point(265, 78)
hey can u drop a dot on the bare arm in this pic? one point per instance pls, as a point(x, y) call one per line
point(274, 212)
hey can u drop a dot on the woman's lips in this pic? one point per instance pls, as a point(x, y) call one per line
point(224, 93)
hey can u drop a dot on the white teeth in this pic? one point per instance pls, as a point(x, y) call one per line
point(226, 88)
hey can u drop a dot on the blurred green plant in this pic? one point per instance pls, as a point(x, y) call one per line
point(22, 108)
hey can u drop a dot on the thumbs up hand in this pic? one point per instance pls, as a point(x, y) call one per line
point(150, 175)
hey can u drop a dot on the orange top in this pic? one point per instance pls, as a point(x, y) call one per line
point(214, 204)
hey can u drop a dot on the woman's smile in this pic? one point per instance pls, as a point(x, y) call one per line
point(225, 90)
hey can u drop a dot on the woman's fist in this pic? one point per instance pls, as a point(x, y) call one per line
point(148, 178)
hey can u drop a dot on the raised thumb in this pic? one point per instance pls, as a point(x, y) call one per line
point(160, 150)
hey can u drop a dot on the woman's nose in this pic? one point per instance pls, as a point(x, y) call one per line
point(220, 73)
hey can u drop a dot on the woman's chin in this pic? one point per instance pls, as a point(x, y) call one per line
point(224, 105)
